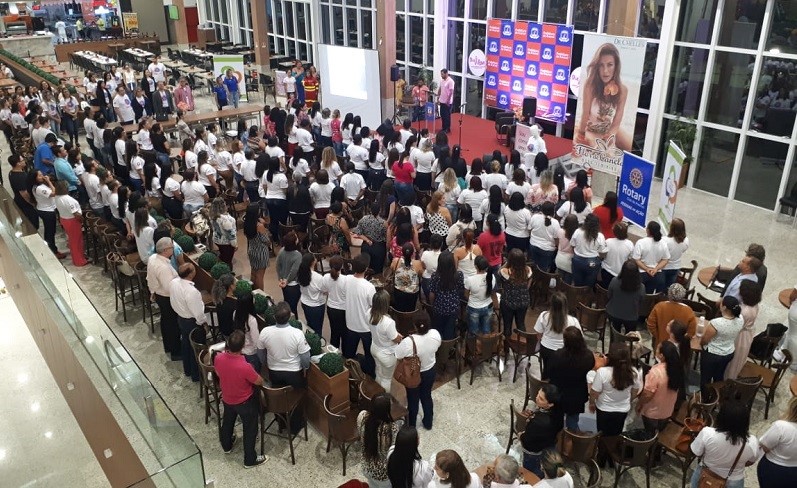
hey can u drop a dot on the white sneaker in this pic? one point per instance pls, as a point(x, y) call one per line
point(258, 461)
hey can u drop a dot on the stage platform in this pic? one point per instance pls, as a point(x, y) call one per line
point(479, 138)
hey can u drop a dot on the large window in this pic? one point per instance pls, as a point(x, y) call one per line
point(291, 31)
point(352, 25)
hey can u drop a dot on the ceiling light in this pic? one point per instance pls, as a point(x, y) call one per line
point(35, 407)
point(22, 378)
point(2, 454)
point(48, 434)
point(89, 339)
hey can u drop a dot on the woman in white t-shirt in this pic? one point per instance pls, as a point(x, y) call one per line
point(589, 247)
point(329, 162)
point(450, 471)
point(677, 243)
point(553, 467)
point(422, 160)
point(321, 193)
point(207, 174)
point(194, 194)
point(651, 255)
point(424, 342)
point(550, 326)
point(313, 298)
point(405, 467)
point(727, 447)
point(384, 338)
point(70, 216)
point(618, 250)
point(576, 205)
point(474, 196)
point(172, 196)
point(274, 188)
point(518, 184)
point(449, 187)
point(518, 222)
point(335, 287)
point(429, 260)
point(564, 251)
point(480, 295)
point(43, 192)
point(779, 443)
point(135, 166)
point(543, 237)
point(613, 389)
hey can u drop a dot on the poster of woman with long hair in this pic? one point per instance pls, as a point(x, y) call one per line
point(609, 82)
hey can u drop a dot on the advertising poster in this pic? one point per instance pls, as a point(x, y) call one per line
point(673, 166)
point(235, 62)
point(611, 74)
point(522, 136)
point(528, 59)
point(279, 83)
point(130, 21)
point(633, 192)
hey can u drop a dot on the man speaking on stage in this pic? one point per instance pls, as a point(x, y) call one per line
point(445, 98)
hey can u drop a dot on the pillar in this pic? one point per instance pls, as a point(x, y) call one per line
point(386, 45)
point(260, 38)
point(180, 26)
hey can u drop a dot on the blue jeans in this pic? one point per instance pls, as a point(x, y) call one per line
point(541, 258)
point(292, 294)
point(728, 484)
point(585, 270)
point(235, 97)
point(532, 463)
point(137, 185)
point(653, 284)
point(571, 421)
point(338, 149)
point(479, 320)
point(403, 189)
point(314, 317)
point(422, 394)
point(670, 276)
point(446, 325)
point(350, 343)
point(454, 211)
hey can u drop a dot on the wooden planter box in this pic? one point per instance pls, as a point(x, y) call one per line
point(320, 385)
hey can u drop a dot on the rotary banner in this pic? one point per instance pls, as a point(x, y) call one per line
point(528, 59)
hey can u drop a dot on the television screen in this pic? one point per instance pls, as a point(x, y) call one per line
point(174, 14)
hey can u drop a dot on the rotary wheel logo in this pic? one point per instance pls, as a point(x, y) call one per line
point(636, 178)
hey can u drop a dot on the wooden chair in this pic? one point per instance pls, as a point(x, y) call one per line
point(405, 321)
point(481, 348)
point(211, 390)
point(648, 302)
point(283, 403)
point(601, 296)
point(740, 389)
point(342, 429)
point(370, 388)
point(575, 295)
point(642, 352)
point(148, 307)
point(125, 282)
point(593, 320)
point(198, 338)
point(711, 304)
point(668, 439)
point(630, 453)
point(517, 424)
point(533, 386)
point(579, 447)
point(700, 309)
point(700, 405)
point(770, 377)
point(685, 275)
point(356, 376)
point(540, 289)
point(449, 350)
point(523, 345)
point(594, 480)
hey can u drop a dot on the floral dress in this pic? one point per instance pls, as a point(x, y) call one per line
point(376, 469)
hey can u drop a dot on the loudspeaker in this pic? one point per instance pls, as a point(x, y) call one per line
point(529, 107)
point(37, 23)
point(395, 74)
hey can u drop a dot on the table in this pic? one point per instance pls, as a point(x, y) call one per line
point(139, 54)
point(100, 61)
point(198, 53)
point(528, 477)
point(8, 83)
point(784, 297)
point(705, 275)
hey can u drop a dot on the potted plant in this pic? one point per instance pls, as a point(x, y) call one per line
point(186, 243)
point(328, 377)
point(207, 260)
point(314, 341)
point(219, 269)
point(242, 287)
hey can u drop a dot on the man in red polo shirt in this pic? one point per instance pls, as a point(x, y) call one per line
point(237, 379)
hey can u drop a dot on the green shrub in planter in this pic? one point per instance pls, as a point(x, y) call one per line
point(295, 323)
point(219, 269)
point(268, 316)
point(331, 364)
point(242, 287)
point(186, 243)
point(178, 233)
point(207, 260)
point(261, 304)
point(314, 341)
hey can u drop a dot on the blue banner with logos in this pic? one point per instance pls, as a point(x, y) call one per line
point(429, 111)
point(633, 191)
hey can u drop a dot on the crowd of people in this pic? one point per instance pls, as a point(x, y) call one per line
point(444, 234)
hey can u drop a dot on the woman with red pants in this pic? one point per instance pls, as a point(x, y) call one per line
point(71, 220)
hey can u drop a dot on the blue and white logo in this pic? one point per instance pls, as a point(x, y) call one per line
point(517, 86)
point(503, 100)
point(507, 30)
point(560, 75)
point(547, 53)
point(557, 111)
point(534, 33)
point(505, 66)
point(519, 51)
point(493, 47)
point(491, 81)
point(531, 70)
point(545, 91)
point(564, 36)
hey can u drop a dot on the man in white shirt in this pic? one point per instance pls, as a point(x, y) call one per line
point(287, 355)
point(60, 27)
point(187, 303)
point(92, 183)
point(157, 69)
point(305, 141)
point(160, 274)
point(123, 107)
point(359, 294)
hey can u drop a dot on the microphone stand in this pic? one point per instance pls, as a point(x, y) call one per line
point(461, 108)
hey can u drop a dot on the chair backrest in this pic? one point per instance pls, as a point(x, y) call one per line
point(530, 340)
point(601, 296)
point(741, 389)
point(648, 302)
point(533, 386)
point(482, 347)
point(405, 321)
point(591, 319)
point(198, 338)
point(685, 275)
point(700, 309)
point(341, 427)
point(711, 304)
point(518, 420)
point(208, 371)
point(579, 447)
point(276, 400)
point(447, 351)
point(540, 289)
point(633, 452)
point(780, 368)
point(575, 295)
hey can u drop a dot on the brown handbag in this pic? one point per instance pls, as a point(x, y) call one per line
point(692, 427)
point(710, 479)
point(408, 369)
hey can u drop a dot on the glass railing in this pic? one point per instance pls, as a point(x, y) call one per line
point(168, 454)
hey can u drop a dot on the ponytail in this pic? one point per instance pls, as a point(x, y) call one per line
point(548, 210)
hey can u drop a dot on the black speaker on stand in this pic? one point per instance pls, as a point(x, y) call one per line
point(529, 108)
point(395, 75)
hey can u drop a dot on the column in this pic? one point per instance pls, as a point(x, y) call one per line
point(260, 34)
point(386, 45)
point(180, 26)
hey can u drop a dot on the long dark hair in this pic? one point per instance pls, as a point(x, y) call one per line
point(574, 344)
point(672, 362)
point(373, 150)
point(122, 194)
point(619, 358)
point(733, 420)
point(493, 224)
point(610, 202)
point(378, 427)
point(150, 173)
point(654, 229)
point(273, 168)
point(496, 199)
point(243, 309)
point(678, 331)
point(482, 265)
point(516, 202)
point(557, 312)
point(630, 280)
point(570, 224)
point(447, 271)
point(465, 213)
point(401, 465)
point(548, 209)
point(591, 227)
point(305, 272)
point(577, 200)
point(250, 220)
point(166, 171)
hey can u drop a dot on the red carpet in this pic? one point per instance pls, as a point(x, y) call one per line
point(479, 138)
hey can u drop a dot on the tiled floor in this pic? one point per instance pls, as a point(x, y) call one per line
point(475, 419)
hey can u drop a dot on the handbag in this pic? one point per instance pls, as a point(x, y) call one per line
point(408, 369)
point(692, 427)
point(710, 479)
